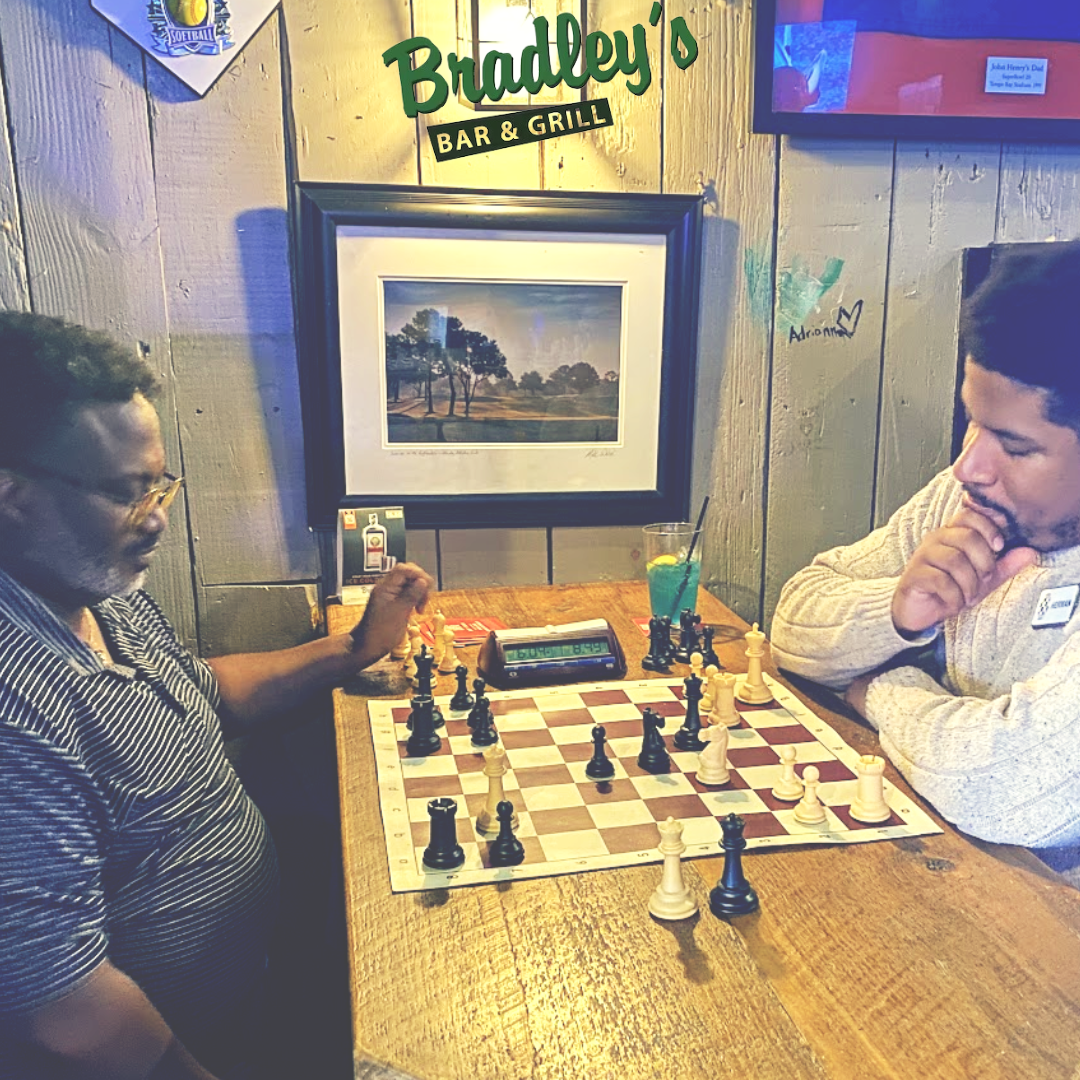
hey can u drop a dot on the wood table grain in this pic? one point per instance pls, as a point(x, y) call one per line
point(922, 957)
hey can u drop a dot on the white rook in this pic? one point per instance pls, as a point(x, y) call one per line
point(869, 805)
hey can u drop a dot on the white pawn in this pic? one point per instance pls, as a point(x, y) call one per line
point(438, 624)
point(789, 787)
point(705, 704)
point(487, 821)
point(869, 804)
point(449, 660)
point(809, 809)
point(696, 660)
point(712, 761)
point(724, 712)
point(401, 650)
point(672, 899)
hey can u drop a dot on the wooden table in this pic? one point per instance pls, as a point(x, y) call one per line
point(928, 957)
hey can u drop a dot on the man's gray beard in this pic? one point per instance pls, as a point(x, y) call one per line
point(94, 577)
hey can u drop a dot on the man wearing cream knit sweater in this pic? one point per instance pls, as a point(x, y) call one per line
point(982, 569)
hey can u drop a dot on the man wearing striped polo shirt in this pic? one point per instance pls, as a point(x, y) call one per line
point(137, 879)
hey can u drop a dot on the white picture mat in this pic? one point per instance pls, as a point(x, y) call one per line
point(366, 255)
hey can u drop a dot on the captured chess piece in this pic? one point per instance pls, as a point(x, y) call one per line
point(600, 766)
point(753, 689)
point(438, 624)
point(688, 737)
point(654, 757)
point(495, 768)
point(869, 804)
point(656, 659)
point(401, 650)
point(809, 810)
point(789, 787)
point(443, 851)
point(449, 659)
point(732, 894)
point(462, 699)
point(687, 636)
point(506, 849)
point(712, 761)
point(708, 653)
point(672, 899)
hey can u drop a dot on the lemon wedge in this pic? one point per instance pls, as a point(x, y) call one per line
point(662, 560)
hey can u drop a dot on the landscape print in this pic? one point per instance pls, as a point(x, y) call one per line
point(517, 362)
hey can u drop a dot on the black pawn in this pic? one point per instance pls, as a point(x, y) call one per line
point(656, 659)
point(483, 730)
point(462, 699)
point(506, 849)
point(599, 767)
point(732, 894)
point(443, 851)
point(654, 757)
point(708, 653)
point(423, 741)
point(688, 637)
point(687, 737)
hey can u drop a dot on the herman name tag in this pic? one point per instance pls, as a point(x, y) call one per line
point(1055, 606)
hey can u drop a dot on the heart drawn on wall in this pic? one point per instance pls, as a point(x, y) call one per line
point(848, 321)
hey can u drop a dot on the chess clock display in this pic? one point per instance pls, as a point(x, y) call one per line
point(532, 656)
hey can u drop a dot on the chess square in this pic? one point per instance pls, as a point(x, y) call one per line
point(602, 698)
point(665, 707)
point(765, 717)
point(569, 718)
point(653, 692)
point(561, 819)
point(577, 771)
point(576, 733)
point(532, 757)
point(628, 838)
point(680, 807)
point(506, 706)
point(610, 714)
point(609, 815)
point(560, 847)
point(431, 787)
point(543, 776)
point(625, 747)
point(418, 809)
point(661, 786)
point(617, 790)
point(534, 853)
point(472, 862)
point(436, 765)
point(723, 801)
point(796, 828)
point(555, 797)
point(787, 735)
point(701, 830)
point(557, 701)
point(520, 740)
point(521, 721)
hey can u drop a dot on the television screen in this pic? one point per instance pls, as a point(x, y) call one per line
point(997, 69)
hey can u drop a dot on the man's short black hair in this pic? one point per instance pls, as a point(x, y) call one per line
point(1021, 322)
point(49, 368)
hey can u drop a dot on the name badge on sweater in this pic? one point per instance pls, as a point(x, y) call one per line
point(1055, 606)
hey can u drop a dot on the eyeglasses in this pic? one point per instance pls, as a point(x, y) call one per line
point(160, 496)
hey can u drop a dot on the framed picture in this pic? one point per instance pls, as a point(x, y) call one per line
point(498, 358)
point(961, 69)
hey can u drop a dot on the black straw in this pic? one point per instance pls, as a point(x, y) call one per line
point(689, 554)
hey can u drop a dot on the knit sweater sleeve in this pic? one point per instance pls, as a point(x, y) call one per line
point(1006, 769)
point(834, 619)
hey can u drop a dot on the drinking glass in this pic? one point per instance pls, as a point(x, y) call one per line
point(672, 568)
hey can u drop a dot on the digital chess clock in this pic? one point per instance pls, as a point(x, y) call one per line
point(573, 652)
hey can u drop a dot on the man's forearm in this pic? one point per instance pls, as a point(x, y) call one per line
point(106, 1028)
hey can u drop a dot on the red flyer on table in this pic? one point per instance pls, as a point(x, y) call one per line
point(466, 631)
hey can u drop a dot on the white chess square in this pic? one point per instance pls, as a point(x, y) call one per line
point(558, 702)
point(701, 830)
point(744, 739)
point(572, 845)
point(552, 797)
point(532, 757)
point(655, 691)
point(627, 746)
point(610, 714)
point(441, 765)
point(572, 733)
point(766, 718)
point(656, 787)
point(609, 815)
point(418, 807)
point(797, 828)
point(520, 721)
point(733, 800)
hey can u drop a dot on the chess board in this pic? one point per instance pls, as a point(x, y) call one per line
point(569, 824)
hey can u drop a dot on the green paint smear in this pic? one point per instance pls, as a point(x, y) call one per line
point(757, 266)
point(799, 291)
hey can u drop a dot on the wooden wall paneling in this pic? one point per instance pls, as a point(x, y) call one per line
point(708, 148)
point(944, 200)
point(1040, 194)
point(512, 167)
point(346, 105)
point(14, 289)
point(221, 188)
point(257, 618)
point(588, 554)
point(481, 558)
point(625, 156)
point(77, 106)
point(832, 244)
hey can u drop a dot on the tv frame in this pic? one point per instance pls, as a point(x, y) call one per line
point(883, 125)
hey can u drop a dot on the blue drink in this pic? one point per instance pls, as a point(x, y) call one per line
point(671, 588)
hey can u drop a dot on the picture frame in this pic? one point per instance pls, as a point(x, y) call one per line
point(955, 71)
point(497, 358)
